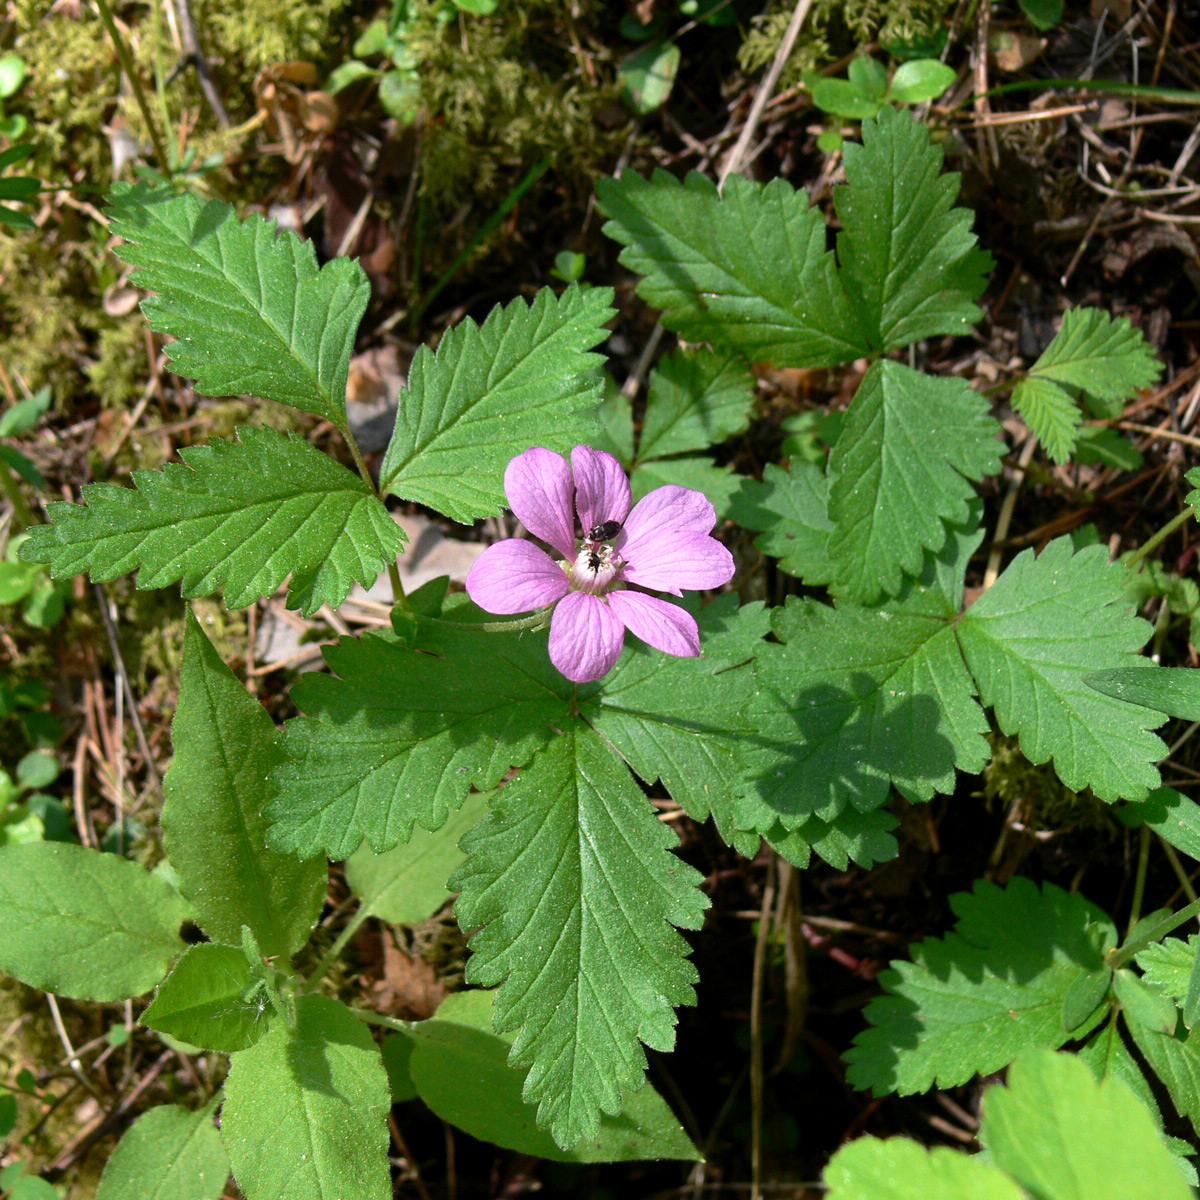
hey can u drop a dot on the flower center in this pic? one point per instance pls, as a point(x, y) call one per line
point(595, 566)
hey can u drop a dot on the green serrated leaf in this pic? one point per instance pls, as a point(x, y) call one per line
point(969, 1003)
point(206, 1001)
point(1174, 1060)
point(863, 837)
point(84, 924)
point(459, 1043)
point(249, 308)
point(696, 399)
point(214, 817)
point(573, 893)
point(1031, 639)
point(1052, 415)
point(901, 473)
point(792, 509)
point(698, 472)
point(305, 1109)
point(1171, 690)
point(899, 1169)
point(1167, 966)
point(1107, 1055)
point(907, 255)
point(678, 721)
point(408, 883)
point(1063, 1136)
point(1105, 358)
point(168, 1153)
point(747, 269)
point(858, 699)
point(240, 515)
point(405, 733)
point(523, 378)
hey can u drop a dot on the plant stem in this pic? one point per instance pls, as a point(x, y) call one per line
point(334, 951)
point(372, 1018)
point(1139, 883)
point(538, 621)
point(1160, 537)
point(22, 513)
point(1118, 958)
point(127, 66)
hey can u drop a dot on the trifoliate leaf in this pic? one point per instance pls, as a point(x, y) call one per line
point(899, 1169)
point(968, 1003)
point(305, 1109)
point(241, 515)
point(901, 472)
point(678, 721)
point(405, 733)
point(84, 924)
point(1029, 641)
point(206, 1000)
point(249, 308)
point(523, 378)
point(574, 885)
point(1052, 415)
point(408, 883)
point(697, 399)
point(1104, 357)
point(167, 1152)
point(792, 509)
point(1063, 1136)
point(695, 471)
point(748, 269)
point(856, 699)
point(214, 817)
point(908, 258)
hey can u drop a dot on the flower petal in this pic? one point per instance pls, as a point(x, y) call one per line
point(541, 492)
point(601, 487)
point(585, 637)
point(668, 561)
point(671, 508)
point(660, 624)
point(515, 576)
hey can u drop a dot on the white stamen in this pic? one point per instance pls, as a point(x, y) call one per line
point(595, 566)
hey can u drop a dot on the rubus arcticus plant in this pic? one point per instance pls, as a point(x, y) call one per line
point(508, 760)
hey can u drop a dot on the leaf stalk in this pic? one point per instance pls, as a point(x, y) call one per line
point(1118, 958)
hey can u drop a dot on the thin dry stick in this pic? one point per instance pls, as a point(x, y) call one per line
point(1006, 512)
point(765, 91)
point(110, 629)
point(72, 1058)
point(756, 1044)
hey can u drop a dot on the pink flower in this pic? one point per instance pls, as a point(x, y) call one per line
point(663, 544)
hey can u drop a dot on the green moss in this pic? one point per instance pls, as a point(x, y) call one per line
point(501, 93)
point(837, 27)
point(259, 33)
point(1047, 803)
